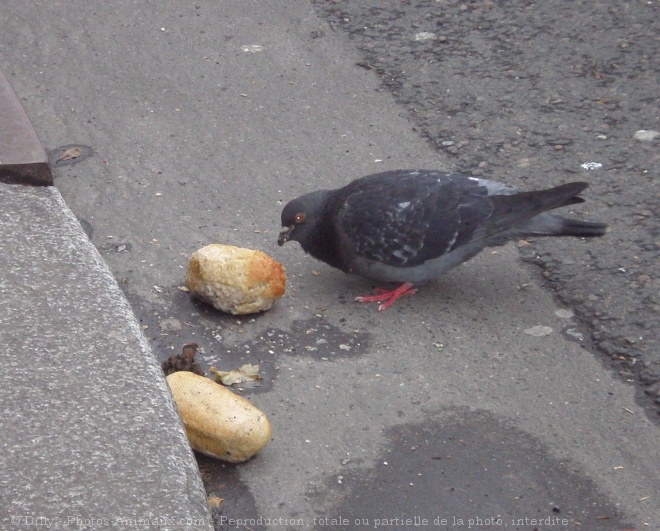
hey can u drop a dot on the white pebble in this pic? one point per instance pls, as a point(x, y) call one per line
point(538, 331)
point(252, 48)
point(645, 135)
point(425, 36)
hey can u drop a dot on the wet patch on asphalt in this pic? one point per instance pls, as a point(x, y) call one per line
point(466, 471)
point(69, 155)
point(318, 339)
point(227, 342)
point(223, 480)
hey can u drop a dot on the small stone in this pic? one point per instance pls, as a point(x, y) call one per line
point(170, 325)
point(564, 314)
point(252, 48)
point(644, 135)
point(425, 36)
point(538, 331)
point(575, 333)
point(649, 376)
point(607, 347)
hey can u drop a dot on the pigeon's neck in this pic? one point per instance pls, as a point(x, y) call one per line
point(323, 243)
point(323, 247)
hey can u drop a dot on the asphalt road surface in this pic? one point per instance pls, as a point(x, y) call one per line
point(198, 121)
point(532, 92)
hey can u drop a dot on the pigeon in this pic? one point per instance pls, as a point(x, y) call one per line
point(411, 226)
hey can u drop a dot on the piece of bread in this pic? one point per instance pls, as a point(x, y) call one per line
point(218, 422)
point(234, 279)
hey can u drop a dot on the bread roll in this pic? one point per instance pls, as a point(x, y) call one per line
point(234, 279)
point(218, 422)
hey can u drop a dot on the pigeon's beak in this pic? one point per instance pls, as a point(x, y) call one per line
point(285, 235)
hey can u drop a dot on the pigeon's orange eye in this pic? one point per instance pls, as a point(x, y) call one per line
point(300, 217)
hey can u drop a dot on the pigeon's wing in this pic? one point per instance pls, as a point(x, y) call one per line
point(404, 219)
point(488, 211)
point(473, 209)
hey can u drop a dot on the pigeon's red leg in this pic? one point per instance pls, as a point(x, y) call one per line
point(388, 297)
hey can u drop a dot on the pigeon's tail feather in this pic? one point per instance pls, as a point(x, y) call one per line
point(550, 225)
point(526, 210)
point(585, 229)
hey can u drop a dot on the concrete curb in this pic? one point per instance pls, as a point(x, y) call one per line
point(90, 435)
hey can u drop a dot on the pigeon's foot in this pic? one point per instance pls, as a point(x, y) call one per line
point(388, 297)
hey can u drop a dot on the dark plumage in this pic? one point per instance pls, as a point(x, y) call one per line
point(412, 226)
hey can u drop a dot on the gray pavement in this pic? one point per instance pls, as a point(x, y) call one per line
point(197, 123)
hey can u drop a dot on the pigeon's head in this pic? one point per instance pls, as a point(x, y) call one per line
point(300, 217)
